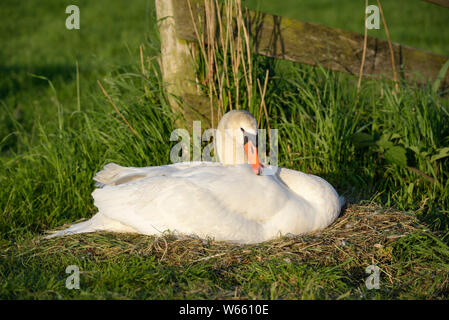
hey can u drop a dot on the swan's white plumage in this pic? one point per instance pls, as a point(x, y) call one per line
point(209, 199)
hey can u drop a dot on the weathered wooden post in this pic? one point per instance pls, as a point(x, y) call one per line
point(443, 3)
point(178, 68)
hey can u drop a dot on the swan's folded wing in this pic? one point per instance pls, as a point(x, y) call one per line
point(114, 174)
point(155, 204)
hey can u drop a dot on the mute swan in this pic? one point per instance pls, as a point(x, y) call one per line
point(226, 200)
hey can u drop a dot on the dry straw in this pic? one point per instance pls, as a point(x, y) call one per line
point(225, 47)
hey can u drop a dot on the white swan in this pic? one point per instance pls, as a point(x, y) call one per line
point(226, 200)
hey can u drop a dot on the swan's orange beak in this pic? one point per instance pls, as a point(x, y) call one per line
point(253, 158)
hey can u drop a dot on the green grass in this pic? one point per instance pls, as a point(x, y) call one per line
point(52, 144)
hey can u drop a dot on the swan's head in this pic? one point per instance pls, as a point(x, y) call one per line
point(236, 139)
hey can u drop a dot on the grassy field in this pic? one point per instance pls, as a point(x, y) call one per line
point(57, 130)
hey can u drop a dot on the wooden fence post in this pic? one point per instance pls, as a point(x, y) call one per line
point(178, 69)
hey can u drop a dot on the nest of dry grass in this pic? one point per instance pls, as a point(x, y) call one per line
point(362, 233)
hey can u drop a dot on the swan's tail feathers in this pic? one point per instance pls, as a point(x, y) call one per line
point(82, 227)
point(342, 201)
point(113, 174)
point(97, 223)
point(110, 172)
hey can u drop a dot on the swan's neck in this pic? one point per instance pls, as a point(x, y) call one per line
point(229, 147)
